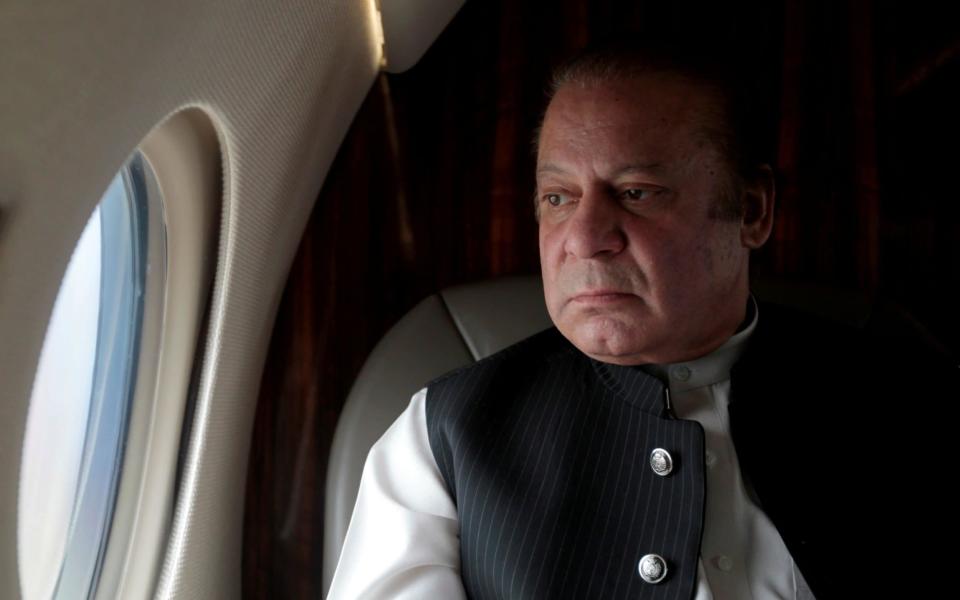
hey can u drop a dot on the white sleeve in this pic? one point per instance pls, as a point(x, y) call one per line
point(403, 542)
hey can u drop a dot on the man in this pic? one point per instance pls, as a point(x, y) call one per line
point(671, 437)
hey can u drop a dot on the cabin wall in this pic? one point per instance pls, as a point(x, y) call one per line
point(433, 187)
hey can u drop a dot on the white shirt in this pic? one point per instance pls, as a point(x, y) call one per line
point(403, 540)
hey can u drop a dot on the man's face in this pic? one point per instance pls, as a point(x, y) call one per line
point(635, 268)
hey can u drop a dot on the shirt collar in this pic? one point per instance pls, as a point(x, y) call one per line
point(643, 385)
point(713, 367)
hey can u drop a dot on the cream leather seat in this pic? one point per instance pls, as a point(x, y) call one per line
point(445, 331)
point(463, 324)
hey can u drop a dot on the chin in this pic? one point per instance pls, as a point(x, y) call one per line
point(606, 339)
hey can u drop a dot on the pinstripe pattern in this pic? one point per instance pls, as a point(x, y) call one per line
point(546, 454)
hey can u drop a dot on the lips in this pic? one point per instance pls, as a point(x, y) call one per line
point(601, 297)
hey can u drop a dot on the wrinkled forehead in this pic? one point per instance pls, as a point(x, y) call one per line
point(653, 117)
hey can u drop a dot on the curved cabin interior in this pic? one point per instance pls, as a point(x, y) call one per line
point(212, 212)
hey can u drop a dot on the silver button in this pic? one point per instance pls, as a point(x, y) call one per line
point(682, 373)
point(652, 568)
point(661, 462)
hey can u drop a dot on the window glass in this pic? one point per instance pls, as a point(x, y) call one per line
point(75, 432)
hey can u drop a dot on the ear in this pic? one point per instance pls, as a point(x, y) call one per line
point(758, 200)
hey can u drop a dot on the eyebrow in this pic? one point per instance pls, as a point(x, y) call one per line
point(639, 168)
point(652, 167)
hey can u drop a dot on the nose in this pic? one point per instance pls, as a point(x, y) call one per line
point(594, 229)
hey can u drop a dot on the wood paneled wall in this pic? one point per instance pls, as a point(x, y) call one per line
point(433, 187)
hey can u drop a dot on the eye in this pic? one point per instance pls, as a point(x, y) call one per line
point(636, 193)
point(554, 199)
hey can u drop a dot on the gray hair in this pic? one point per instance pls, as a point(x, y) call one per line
point(735, 130)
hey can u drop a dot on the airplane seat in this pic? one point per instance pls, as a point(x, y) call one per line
point(447, 330)
point(463, 324)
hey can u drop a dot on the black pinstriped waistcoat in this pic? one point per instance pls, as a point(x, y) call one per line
point(546, 454)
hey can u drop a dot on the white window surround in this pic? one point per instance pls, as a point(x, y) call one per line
point(183, 167)
point(184, 153)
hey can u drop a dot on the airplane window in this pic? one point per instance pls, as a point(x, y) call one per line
point(82, 390)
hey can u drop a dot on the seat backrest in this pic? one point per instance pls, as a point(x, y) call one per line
point(448, 330)
point(463, 324)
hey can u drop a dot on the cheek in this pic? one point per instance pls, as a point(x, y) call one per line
point(705, 257)
point(717, 269)
point(549, 246)
point(657, 254)
point(674, 266)
point(717, 250)
point(547, 267)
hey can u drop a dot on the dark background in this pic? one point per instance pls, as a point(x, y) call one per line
point(433, 187)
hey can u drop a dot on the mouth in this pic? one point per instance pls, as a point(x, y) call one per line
point(600, 297)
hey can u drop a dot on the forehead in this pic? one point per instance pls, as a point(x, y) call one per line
point(650, 117)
